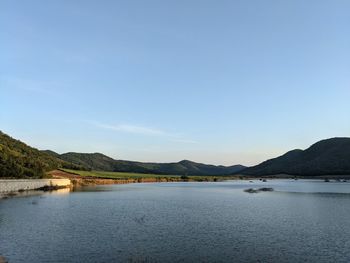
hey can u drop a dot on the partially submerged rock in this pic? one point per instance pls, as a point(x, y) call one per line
point(266, 189)
point(254, 191)
point(251, 190)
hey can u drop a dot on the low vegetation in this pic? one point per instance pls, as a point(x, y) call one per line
point(113, 175)
point(125, 176)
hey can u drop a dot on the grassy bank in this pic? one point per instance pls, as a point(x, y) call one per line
point(136, 176)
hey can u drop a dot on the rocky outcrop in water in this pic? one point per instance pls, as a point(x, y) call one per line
point(254, 191)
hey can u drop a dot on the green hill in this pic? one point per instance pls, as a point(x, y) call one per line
point(93, 161)
point(100, 162)
point(326, 157)
point(18, 160)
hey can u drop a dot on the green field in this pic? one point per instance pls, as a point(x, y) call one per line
point(116, 175)
point(122, 175)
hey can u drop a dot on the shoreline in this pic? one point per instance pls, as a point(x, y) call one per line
point(10, 186)
point(75, 181)
point(23, 187)
point(78, 181)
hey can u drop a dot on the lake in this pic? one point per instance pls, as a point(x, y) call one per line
point(301, 221)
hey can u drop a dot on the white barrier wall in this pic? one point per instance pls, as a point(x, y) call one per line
point(30, 184)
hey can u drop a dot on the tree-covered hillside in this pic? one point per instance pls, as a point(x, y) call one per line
point(100, 162)
point(326, 157)
point(18, 160)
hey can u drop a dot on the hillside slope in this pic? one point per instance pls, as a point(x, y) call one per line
point(90, 161)
point(18, 160)
point(326, 157)
point(98, 161)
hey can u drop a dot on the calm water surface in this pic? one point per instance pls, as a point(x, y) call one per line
point(301, 221)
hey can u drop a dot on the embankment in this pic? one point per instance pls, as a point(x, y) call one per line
point(15, 185)
point(78, 180)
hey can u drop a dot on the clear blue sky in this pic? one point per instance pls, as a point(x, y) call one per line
point(220, 82)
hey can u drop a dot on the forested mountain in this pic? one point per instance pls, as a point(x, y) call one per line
point(20, 160)
point(326, 157)
point(98, 161)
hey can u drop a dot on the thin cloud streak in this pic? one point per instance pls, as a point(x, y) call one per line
point(185, 141)
point(28, 85)
point(142, 130)
point(131, 129)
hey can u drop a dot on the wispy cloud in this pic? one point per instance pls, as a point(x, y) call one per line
point(29, 85)
point(185, 141)
point(131, 129)
point(143, 130)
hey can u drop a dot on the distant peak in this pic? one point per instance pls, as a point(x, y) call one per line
point(185, 161)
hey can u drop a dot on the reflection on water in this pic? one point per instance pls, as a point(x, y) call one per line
point(299, 221)
point(296, 186)
point(62, 191)
point(29, 193)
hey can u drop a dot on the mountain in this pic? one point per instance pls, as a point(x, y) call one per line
point(90, 161)
point(326, 157)
point(20, 160)
point(98, 161)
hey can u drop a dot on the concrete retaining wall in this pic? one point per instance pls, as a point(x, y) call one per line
point(30, 184)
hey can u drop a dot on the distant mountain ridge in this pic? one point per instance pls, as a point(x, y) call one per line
point(326, 157)
point(18, 160)
point(98, 161)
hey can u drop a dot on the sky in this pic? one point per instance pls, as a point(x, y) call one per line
point(219, 82)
